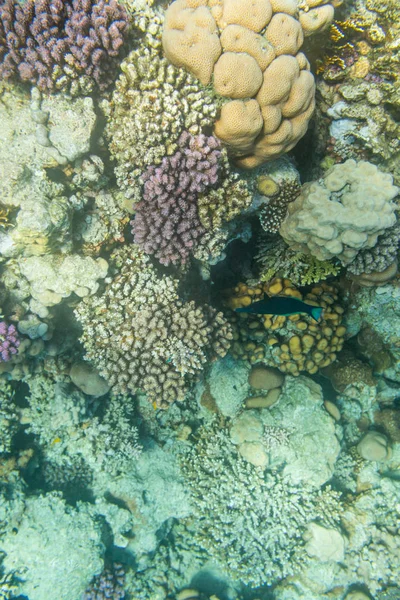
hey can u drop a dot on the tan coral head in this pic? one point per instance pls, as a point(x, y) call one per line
point(249, 50)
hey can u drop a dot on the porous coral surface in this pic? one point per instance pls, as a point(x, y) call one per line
point(72, 45)
point(295, 342)
point(141, 336)
point(343, 213)
point(250, 53)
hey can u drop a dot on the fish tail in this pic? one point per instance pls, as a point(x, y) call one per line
point(316, 313)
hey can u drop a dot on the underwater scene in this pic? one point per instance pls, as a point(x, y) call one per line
point(199, 300)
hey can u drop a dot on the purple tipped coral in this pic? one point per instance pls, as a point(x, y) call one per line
point(166, 222)
point(109, 585)
point(9, 341)
point(56, 44)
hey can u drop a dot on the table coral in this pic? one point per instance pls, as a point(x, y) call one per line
point(291, 343)
point(140, 336)
point(250, 53)
point(73, 45)
point(342, 213)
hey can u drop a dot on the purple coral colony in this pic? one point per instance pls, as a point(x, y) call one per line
point(48, 42)
point(166, 222)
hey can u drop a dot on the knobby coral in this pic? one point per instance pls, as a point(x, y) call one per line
point(166, 221)
point(153, 103)
point(292, 343)
point(140, 336)
point(109, 584)
point(342, 213)
point(250, 52)
point(69, 45)
point(9, 341)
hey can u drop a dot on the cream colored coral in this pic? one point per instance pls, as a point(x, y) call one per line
point(278, 79)
point(317, 19)
point(237, 75)
point(236, 38)
point(258, 59)
point(341, 214)
point(253, 14)
point(285, 34)
point(239, 124)
point(190, 38)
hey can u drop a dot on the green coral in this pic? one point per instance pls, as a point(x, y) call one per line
point(275, 258)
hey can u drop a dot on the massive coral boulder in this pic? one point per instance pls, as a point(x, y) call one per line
point(249, 51)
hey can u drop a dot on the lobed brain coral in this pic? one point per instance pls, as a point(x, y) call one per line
point(250, 51)
point(291, 343)
point(342, 213)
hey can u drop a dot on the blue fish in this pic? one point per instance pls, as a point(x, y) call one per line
point(283, 306)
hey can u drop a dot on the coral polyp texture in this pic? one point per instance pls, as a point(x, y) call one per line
point(140, 336)
point(9, 341)
point(109, 584)
point(153, 103)
point(292, 343)
point(166, 221)
point(249, 51)
point(71, 45)
point(342, 213)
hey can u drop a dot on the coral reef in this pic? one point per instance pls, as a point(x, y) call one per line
point(342, 213)
point(72, 46)
point(291, 343)
point(381, 256)
point(249, 512)
point(9, 417)
point(255, 62)
point(166, 221)
point(359, 85)
point(45, 517)
point(153, 103)
point(139, 334)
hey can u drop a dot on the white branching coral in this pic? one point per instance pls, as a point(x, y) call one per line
point(242, 511)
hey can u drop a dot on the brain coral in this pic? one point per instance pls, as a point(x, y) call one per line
point(342, 213)
point(140, 336)
point(249, 51)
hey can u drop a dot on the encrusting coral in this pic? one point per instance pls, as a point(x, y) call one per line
point(292, 343)
point(342, 213)
point(56, 45)
point(140, 336)
point(250, 53)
